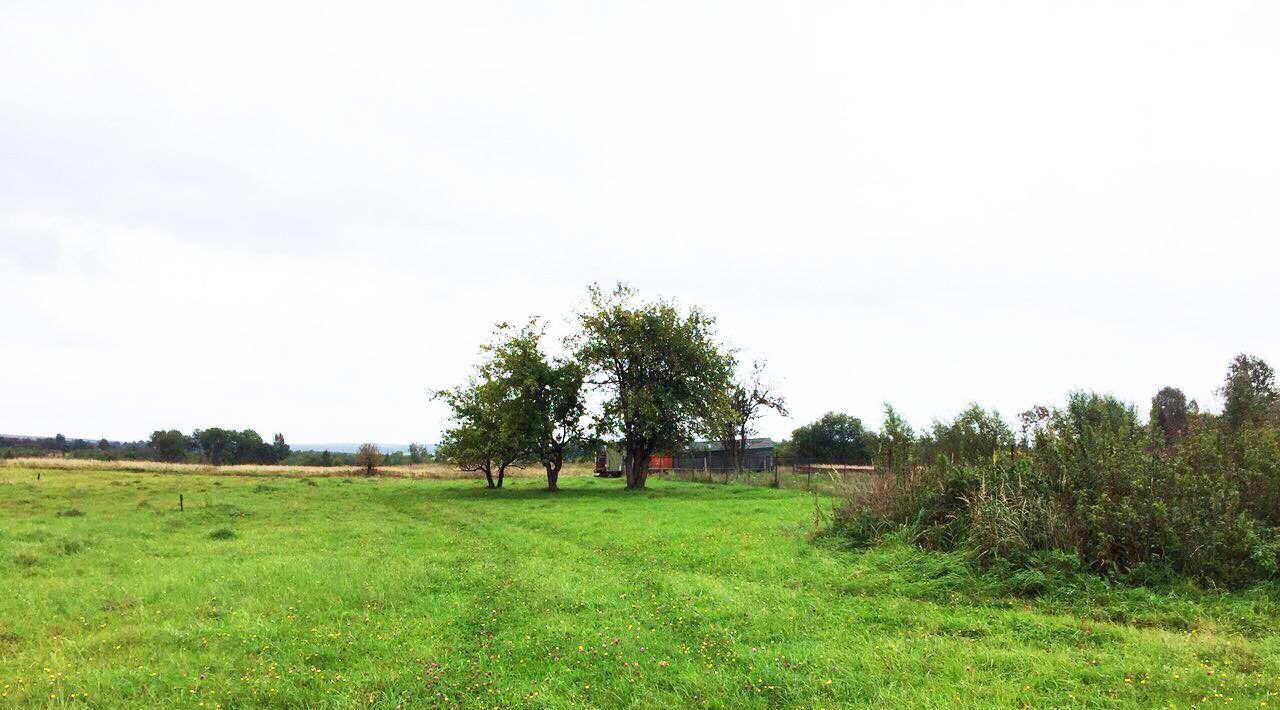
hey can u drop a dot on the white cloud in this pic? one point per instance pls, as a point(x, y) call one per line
point(296, 216)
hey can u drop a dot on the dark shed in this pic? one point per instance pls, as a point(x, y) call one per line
point(711, 455)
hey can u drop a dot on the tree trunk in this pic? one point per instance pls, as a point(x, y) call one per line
point(638, 471)
point(502, 473)
point(553, 476)
point(488, 474)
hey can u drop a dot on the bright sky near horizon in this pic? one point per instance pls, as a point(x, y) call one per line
point(297, 216)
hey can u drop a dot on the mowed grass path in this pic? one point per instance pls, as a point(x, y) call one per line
point(339, 593)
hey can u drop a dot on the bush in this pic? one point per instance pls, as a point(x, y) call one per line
point(1092, 488)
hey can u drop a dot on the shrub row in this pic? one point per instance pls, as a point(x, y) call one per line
point(1091, 487)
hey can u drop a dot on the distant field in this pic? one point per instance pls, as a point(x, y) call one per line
point(344, 592)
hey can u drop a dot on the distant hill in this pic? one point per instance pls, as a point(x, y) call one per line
point(350, 448)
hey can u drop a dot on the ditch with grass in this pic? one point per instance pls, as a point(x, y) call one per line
point(364, 592)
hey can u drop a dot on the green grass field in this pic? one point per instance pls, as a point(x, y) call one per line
point(340, 592)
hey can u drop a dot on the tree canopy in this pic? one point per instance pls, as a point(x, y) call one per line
point(542, 403)
point(833, 438)
point(659, 367)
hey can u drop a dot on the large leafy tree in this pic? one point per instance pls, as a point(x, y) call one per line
point(217, 445)
point(228, 447)
point(834, 438)
point(660, 368)
point(543, 400)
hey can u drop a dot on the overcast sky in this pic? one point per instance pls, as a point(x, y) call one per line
point(296, 217)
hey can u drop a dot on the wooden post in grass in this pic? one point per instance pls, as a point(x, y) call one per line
point(181, 507)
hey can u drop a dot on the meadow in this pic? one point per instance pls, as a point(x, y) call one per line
point(344, 592)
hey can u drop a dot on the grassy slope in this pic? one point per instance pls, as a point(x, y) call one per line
point(382, 593)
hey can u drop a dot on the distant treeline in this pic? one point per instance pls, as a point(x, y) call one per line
point(417, 454)
point(102, 449)
point(213, 446)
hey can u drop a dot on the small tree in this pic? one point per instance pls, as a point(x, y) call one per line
point(897, 439)
point(368, 457)
point(661, 369)
point(1250, 392)
point(744, 402)
point(485, 435)
point(279, 449)
point(1169, 414)
point(543, 400)
point(973, 437)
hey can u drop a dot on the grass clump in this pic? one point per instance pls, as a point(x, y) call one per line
point(222, 534)
point(67, 546)
point(26, 560)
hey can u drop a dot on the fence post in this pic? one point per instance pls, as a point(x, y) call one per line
point(181, 506)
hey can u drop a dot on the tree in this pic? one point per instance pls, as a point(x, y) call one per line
point(485, 435)
point(279, 449)
point(214, 444)
point(1250, 392)
point(543, 401)
point(230, 447)
point(897, 439)
point(60, 442)
point(418, 454)
point(248, 447)
point(743, 403)
point(834, 438)
point(104, 445)
point(368, 457)
point(169, 445)
point(661, 371)
point(1169, 414)
point(973, 437)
